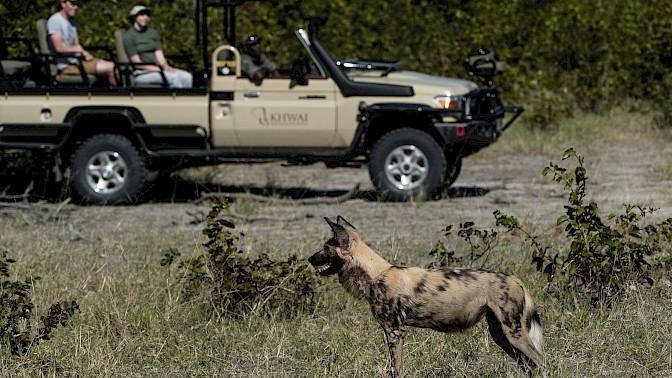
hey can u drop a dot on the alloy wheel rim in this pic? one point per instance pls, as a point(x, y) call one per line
point(106, 172)
point(406, 167)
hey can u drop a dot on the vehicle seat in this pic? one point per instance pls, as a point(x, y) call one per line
point(126, 67)
point(13, 68)
point(49, 59)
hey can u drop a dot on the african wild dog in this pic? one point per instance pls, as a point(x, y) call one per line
point(445, 300)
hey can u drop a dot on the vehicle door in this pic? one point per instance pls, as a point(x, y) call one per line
point(284, 112)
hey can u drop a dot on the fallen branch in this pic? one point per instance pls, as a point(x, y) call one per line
point(35, 212)
point(13, 205)
point(13, 197)
point(282, 201)
point(262, 218)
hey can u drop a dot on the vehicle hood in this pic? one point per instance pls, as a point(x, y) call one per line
point(422, 84)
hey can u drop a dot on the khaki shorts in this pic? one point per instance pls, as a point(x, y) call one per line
point(73, 69)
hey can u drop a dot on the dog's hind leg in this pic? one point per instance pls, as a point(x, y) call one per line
point(515, 343)
point(395, 343)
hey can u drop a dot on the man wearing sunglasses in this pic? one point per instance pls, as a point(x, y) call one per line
point(63, 38)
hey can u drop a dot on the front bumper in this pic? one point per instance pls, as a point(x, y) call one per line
point(467, 137)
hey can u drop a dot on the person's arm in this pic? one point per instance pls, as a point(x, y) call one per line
point(60, 47)
point(161, 59)
point(143, 67)
point(267, 68)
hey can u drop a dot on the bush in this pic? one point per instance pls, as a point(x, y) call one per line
point(588, 55)
point(481, 244)
point(603, 258)
point(16, 312)
point(238, 285)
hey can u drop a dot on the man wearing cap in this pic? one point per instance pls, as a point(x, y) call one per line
point(63, 38)
point(143, 45)
point(253, 63)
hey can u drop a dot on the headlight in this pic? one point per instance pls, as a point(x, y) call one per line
point(449, 102)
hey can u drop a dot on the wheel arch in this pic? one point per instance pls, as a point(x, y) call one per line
point(389, 117)
point(90, 121)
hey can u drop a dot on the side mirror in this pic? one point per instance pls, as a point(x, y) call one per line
point(298, 74)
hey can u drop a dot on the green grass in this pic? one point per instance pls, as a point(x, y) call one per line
point(585, 132)
point(134, 323)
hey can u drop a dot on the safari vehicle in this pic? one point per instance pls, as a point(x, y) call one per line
point(411, 129)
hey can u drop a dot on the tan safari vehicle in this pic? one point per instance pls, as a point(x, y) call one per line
point(411, 130)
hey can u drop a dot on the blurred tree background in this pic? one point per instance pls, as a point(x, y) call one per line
point(563, 56)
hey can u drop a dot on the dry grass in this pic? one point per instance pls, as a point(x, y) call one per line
point(587, 132)
point(133, 322)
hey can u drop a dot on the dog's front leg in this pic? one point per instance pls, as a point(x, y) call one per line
point(395, 342)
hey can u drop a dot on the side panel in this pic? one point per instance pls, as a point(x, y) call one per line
point(161, 108)
point(348, 109)
point(274, 114)
point(278, 113)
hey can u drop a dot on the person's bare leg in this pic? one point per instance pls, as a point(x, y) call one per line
point(106, 68)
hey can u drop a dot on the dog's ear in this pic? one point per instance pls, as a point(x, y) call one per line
point(340, 234)
point(341, 221)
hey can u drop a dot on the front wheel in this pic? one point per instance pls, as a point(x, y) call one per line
point(452, 172)
point(407, 164)
point(107, 169)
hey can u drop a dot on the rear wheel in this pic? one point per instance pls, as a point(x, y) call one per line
point(406, 164)
point(107, 169)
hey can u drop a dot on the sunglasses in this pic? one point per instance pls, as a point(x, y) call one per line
point(73, 2)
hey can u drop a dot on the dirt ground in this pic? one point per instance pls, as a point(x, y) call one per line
point(271, 202)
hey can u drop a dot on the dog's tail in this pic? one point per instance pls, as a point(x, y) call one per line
point(533, 324)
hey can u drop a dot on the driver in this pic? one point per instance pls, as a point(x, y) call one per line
point(254, 63)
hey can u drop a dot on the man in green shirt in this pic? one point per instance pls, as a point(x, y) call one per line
point(143, 45)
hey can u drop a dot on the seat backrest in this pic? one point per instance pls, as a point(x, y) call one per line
point(43, 43)
point(42, 36)
point(122, 57)
point(123, 61)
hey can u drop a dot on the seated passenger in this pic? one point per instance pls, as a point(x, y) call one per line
point(143, 45)
point(63, 38)
point(254, 63)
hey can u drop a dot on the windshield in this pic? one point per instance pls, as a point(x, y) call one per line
point(303, 37)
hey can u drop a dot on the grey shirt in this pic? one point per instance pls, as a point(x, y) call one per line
point(249, 65)
point(67, 29)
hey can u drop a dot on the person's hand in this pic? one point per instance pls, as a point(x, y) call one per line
point(168, 68)
point(259, 75)
point(87, 56)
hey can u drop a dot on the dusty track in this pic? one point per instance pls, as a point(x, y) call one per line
point(513, 184)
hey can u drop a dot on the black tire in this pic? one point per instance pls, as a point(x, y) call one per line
point(407, 164)
point(452, 172)
point(107, 170)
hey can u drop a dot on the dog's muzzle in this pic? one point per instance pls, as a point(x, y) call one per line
point(324, 265)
